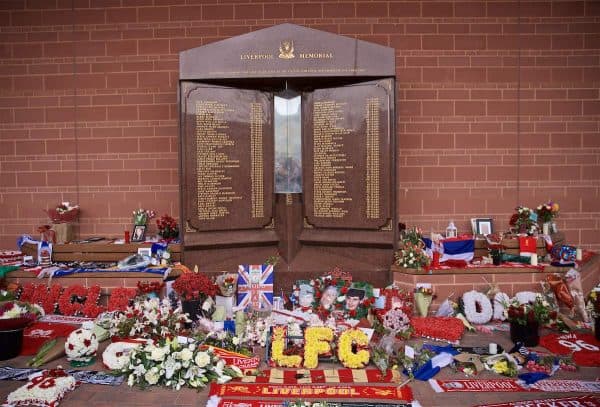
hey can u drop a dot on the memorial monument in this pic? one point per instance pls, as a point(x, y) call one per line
point(287, 148)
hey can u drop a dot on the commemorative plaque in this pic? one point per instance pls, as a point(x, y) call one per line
point(230, 138)
point(287, 147)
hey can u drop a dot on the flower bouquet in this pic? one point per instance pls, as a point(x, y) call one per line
point(546, 212)
point(65, 212)
point(167, 227)
point(524, 220)
point(194, 286)
point(195, 289)
point(16, 315)
point(411, 253)
point(526, 319)
point(150, 318)
point(141, 216)
point(175, 365)
point(423, 298)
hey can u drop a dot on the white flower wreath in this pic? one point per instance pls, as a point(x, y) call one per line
point(116, 355)
point(470, 301)
point(81, 345)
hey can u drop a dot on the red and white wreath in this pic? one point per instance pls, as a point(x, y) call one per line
point(116, 355)
point(81, 345)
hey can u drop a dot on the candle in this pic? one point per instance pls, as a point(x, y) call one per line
point(534, 260)
point(546, 228)
point(493, 348)
point(579, 255)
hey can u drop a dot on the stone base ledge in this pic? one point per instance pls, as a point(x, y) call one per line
point(509, 280)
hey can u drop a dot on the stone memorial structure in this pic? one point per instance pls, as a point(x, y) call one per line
point(287, 147)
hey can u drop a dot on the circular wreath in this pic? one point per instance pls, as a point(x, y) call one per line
point(116, 355)
point(477, 307)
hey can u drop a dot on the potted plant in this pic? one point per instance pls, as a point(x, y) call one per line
point(193, 290)
point(526, 319)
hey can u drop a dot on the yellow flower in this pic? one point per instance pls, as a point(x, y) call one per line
point(348, 358)
point(316, 342)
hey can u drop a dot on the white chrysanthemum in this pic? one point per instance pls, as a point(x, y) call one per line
point(473, 298)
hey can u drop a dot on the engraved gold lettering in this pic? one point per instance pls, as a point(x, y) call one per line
point(214, 188)
point(330, 162)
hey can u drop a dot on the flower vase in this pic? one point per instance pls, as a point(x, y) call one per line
point(528, 334)
point(496, 257)
point(11, 341)
point(192, 308)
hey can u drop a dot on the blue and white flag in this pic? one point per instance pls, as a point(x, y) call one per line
point(255, 286)
point(452, 249)
point(458, 249)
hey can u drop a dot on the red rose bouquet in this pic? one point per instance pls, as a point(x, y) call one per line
point(194, 286)
point(167, 227)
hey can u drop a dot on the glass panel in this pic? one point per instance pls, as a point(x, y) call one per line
point(288, 150)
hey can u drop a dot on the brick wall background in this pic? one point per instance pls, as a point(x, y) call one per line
point(88, 104)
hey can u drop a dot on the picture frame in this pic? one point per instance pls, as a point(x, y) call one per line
point(139, 233)
point(484, 226)
point(145, 251)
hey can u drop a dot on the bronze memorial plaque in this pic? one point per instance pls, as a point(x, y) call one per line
point(229, 146)
point(347, 154)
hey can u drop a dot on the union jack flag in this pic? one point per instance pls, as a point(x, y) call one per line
point(255, 286)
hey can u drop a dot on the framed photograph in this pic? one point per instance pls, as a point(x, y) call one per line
point(484, 226)
point(145, 251)
point(139, 233)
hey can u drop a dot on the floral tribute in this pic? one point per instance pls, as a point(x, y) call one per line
point(78, 300)
point(141, 216)
point(121, 298)
point(16, 315)
point(116, 354)
point(44, 389)
point(546, 212)
point(81, 347)
point(411, 253)
point(440, 328)
point(151, 318)
point(524, 220)
point(145, 288)
point(194, 286)
point(175, 365)
point(536, 311)
point(41, 294)
point(352, 349)
point(167, 227)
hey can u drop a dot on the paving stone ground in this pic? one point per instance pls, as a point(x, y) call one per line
point(99, 396)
